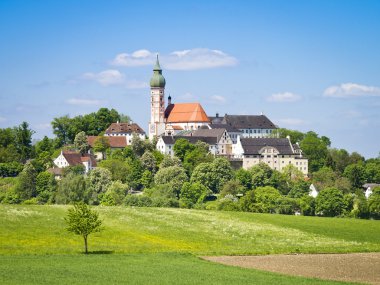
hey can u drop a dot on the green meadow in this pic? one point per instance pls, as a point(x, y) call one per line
point(162, 245)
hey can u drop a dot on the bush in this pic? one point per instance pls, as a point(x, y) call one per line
point(192, 194)
point(228, 203)
point(287, 206)
point(329, 203)
point(307, 205)
point(138, 201)
point(10, 169)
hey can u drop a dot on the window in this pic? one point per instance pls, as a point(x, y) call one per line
point(268, 156)
point(254, 131)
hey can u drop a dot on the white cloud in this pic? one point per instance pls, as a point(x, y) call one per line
point(347, 90)
point(199, 58)
point(138, 58)
point(2, 119)
point(190, 59)
point(283, 97)
point(86, 102)
point(106, 77)
point(114, 77)
point(291, 122)
point(218, 99)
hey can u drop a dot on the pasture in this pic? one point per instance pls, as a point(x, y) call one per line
point(161, 245)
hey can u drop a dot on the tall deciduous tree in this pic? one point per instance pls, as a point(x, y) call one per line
point(26, 187)
point(329, 202)
point(80, 142)
point(83, 221)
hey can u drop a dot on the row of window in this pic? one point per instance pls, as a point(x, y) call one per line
point(256, 131)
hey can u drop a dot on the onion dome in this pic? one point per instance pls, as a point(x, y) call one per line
point(157, 79)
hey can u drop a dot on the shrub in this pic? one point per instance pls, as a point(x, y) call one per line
point(329, 203)
point(287, 206)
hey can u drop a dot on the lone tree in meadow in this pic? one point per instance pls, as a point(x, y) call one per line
point(81, 220)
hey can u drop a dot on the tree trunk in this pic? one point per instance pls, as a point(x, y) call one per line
point(85, 245)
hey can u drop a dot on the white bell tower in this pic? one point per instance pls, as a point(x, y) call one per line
point(157, 102)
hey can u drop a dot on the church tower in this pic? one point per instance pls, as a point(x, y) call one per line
point(157, 102)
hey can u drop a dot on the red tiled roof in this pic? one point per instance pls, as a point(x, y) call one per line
point(114, 141)
point(75, 158)
point(186, 112)
point(118, 128)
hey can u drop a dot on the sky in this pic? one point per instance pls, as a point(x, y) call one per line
point(307, 65)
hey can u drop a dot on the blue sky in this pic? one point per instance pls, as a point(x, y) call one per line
point(307, 65)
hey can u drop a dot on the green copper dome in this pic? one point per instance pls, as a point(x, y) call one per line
point(157, 79)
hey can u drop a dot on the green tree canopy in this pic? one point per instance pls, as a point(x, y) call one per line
point(329, 202)
point(80, 142)
point(83, 221)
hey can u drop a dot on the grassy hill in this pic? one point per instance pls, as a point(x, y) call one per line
point(157, 245)
point(41, 230)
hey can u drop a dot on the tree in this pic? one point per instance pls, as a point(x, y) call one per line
point(101, 144)
point(137, 145)
point(232, 187)
point(45, 186)
point(192, 194)
point(244, 177)
point(213, 175)
point(26, 187)
point(196, 155)
point(295, 136)
point(148, 162)
point(356, 174)
point(170, 161)
point(119, 169)
point(374, 203)
point(261, 174)
point(80, 142)
point(181, 147)
point(98, 182)
point(71, 188)
point(266, 199)
point(315, 149)
point(115, 194)
point(173, 177)
point(83, 221)
point(329, 202)
point(23, 141)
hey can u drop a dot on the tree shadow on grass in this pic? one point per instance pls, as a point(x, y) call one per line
point(100, 252)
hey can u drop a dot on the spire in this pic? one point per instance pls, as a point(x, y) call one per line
point(157, 65)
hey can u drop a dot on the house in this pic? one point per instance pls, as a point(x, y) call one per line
point(165, 144)
point(115, 142)
point(251, 126)
point(223, 139)
point(232, 132)
point(275, 152)
point(125, 130)
point(57, 172)
point(70, 158)
point(369, 188)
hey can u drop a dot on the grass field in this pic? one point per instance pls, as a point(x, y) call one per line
point(157, 245)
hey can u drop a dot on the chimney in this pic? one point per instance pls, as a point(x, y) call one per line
point(217, 114)
point(169, 100)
